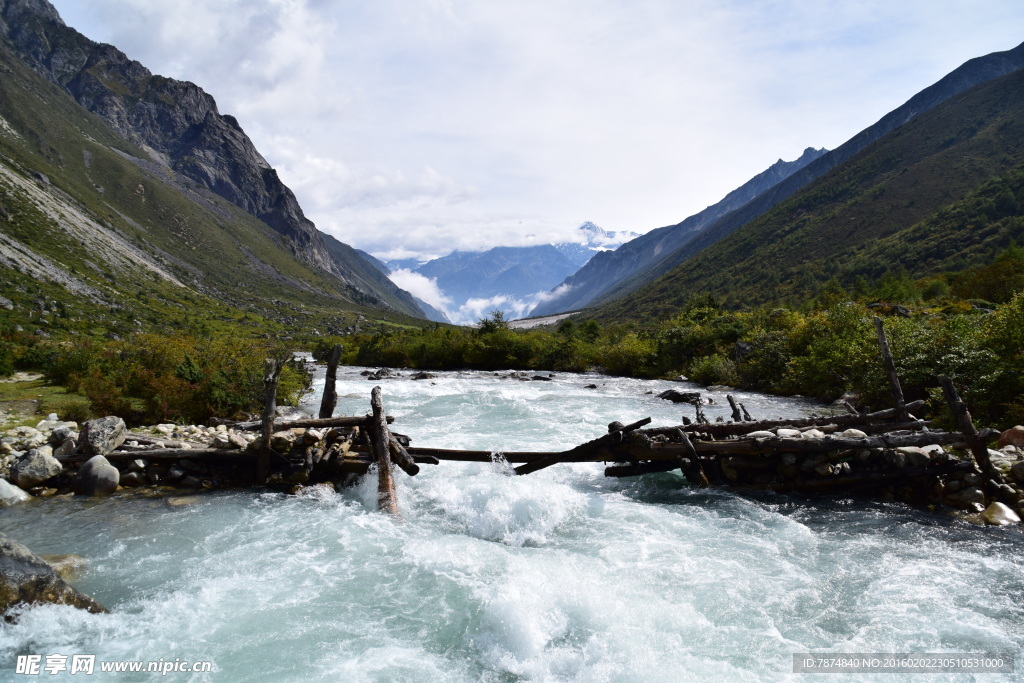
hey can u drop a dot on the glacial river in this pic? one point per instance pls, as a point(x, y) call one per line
point(560, 575)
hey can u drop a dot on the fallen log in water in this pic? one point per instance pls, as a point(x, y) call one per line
point(780, 444)
point(614, 437)
point(313, 423)
point(454, 455)
point(168, 454)
point(636, 469)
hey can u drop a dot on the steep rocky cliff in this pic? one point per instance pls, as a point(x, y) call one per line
point(179, 126)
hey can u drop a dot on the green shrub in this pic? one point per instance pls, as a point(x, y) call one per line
point(714, 369)
point(632, 356)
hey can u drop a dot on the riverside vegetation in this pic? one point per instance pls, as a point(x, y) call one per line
point(823, 348)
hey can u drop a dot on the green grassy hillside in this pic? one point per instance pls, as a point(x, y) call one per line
point(97, 236)
point(937, 194)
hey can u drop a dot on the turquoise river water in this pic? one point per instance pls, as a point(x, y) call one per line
point(560, 575)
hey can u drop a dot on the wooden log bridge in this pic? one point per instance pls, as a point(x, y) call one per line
point(880, 452)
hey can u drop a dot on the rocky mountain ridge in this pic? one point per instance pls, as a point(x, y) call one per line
point(932, 198)
point(180, 127)
point(970, 74)
point(610, 268)
point(611, 276)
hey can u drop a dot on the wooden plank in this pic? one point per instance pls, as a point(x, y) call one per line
point(313, 423)
point(870, 479)
point(737, 416)
point(734, 429)
point(401, 457)
point(692, 468)
point(638, 468)
point(169, 454)
point(455, 455)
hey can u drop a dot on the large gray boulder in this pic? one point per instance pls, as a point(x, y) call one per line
point(26, 579)
point(102, 436)
point(97, 477)
point(35, 467)
point(11, 494)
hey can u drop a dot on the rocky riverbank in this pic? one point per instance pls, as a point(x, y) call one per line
point(58, 458)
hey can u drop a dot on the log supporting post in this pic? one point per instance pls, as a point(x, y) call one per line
point(737, 416)
point(380, 436)
point(890, 368)
point(330, 398)
point(271, 375)
point(692, 469)
point(974, 440)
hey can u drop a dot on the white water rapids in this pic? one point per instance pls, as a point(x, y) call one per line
point(560, 575)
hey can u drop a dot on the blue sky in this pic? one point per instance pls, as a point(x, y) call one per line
point(414, 127)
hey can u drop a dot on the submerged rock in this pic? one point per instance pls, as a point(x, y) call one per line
point(132, 479)
point(972, 499)
point(26, 579)
point(11, 494)
point(67, 566)
point(677, 396)
point(998, 514)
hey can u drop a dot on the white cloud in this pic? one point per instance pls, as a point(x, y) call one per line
point(431, 125)
point(555, 293)
point(474, 310)
point(422, 287)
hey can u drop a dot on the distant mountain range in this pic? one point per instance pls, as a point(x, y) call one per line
point(509, 279)
point(158, 183)
point(936, 185)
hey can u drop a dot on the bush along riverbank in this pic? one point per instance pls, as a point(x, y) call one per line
point(155, 378)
